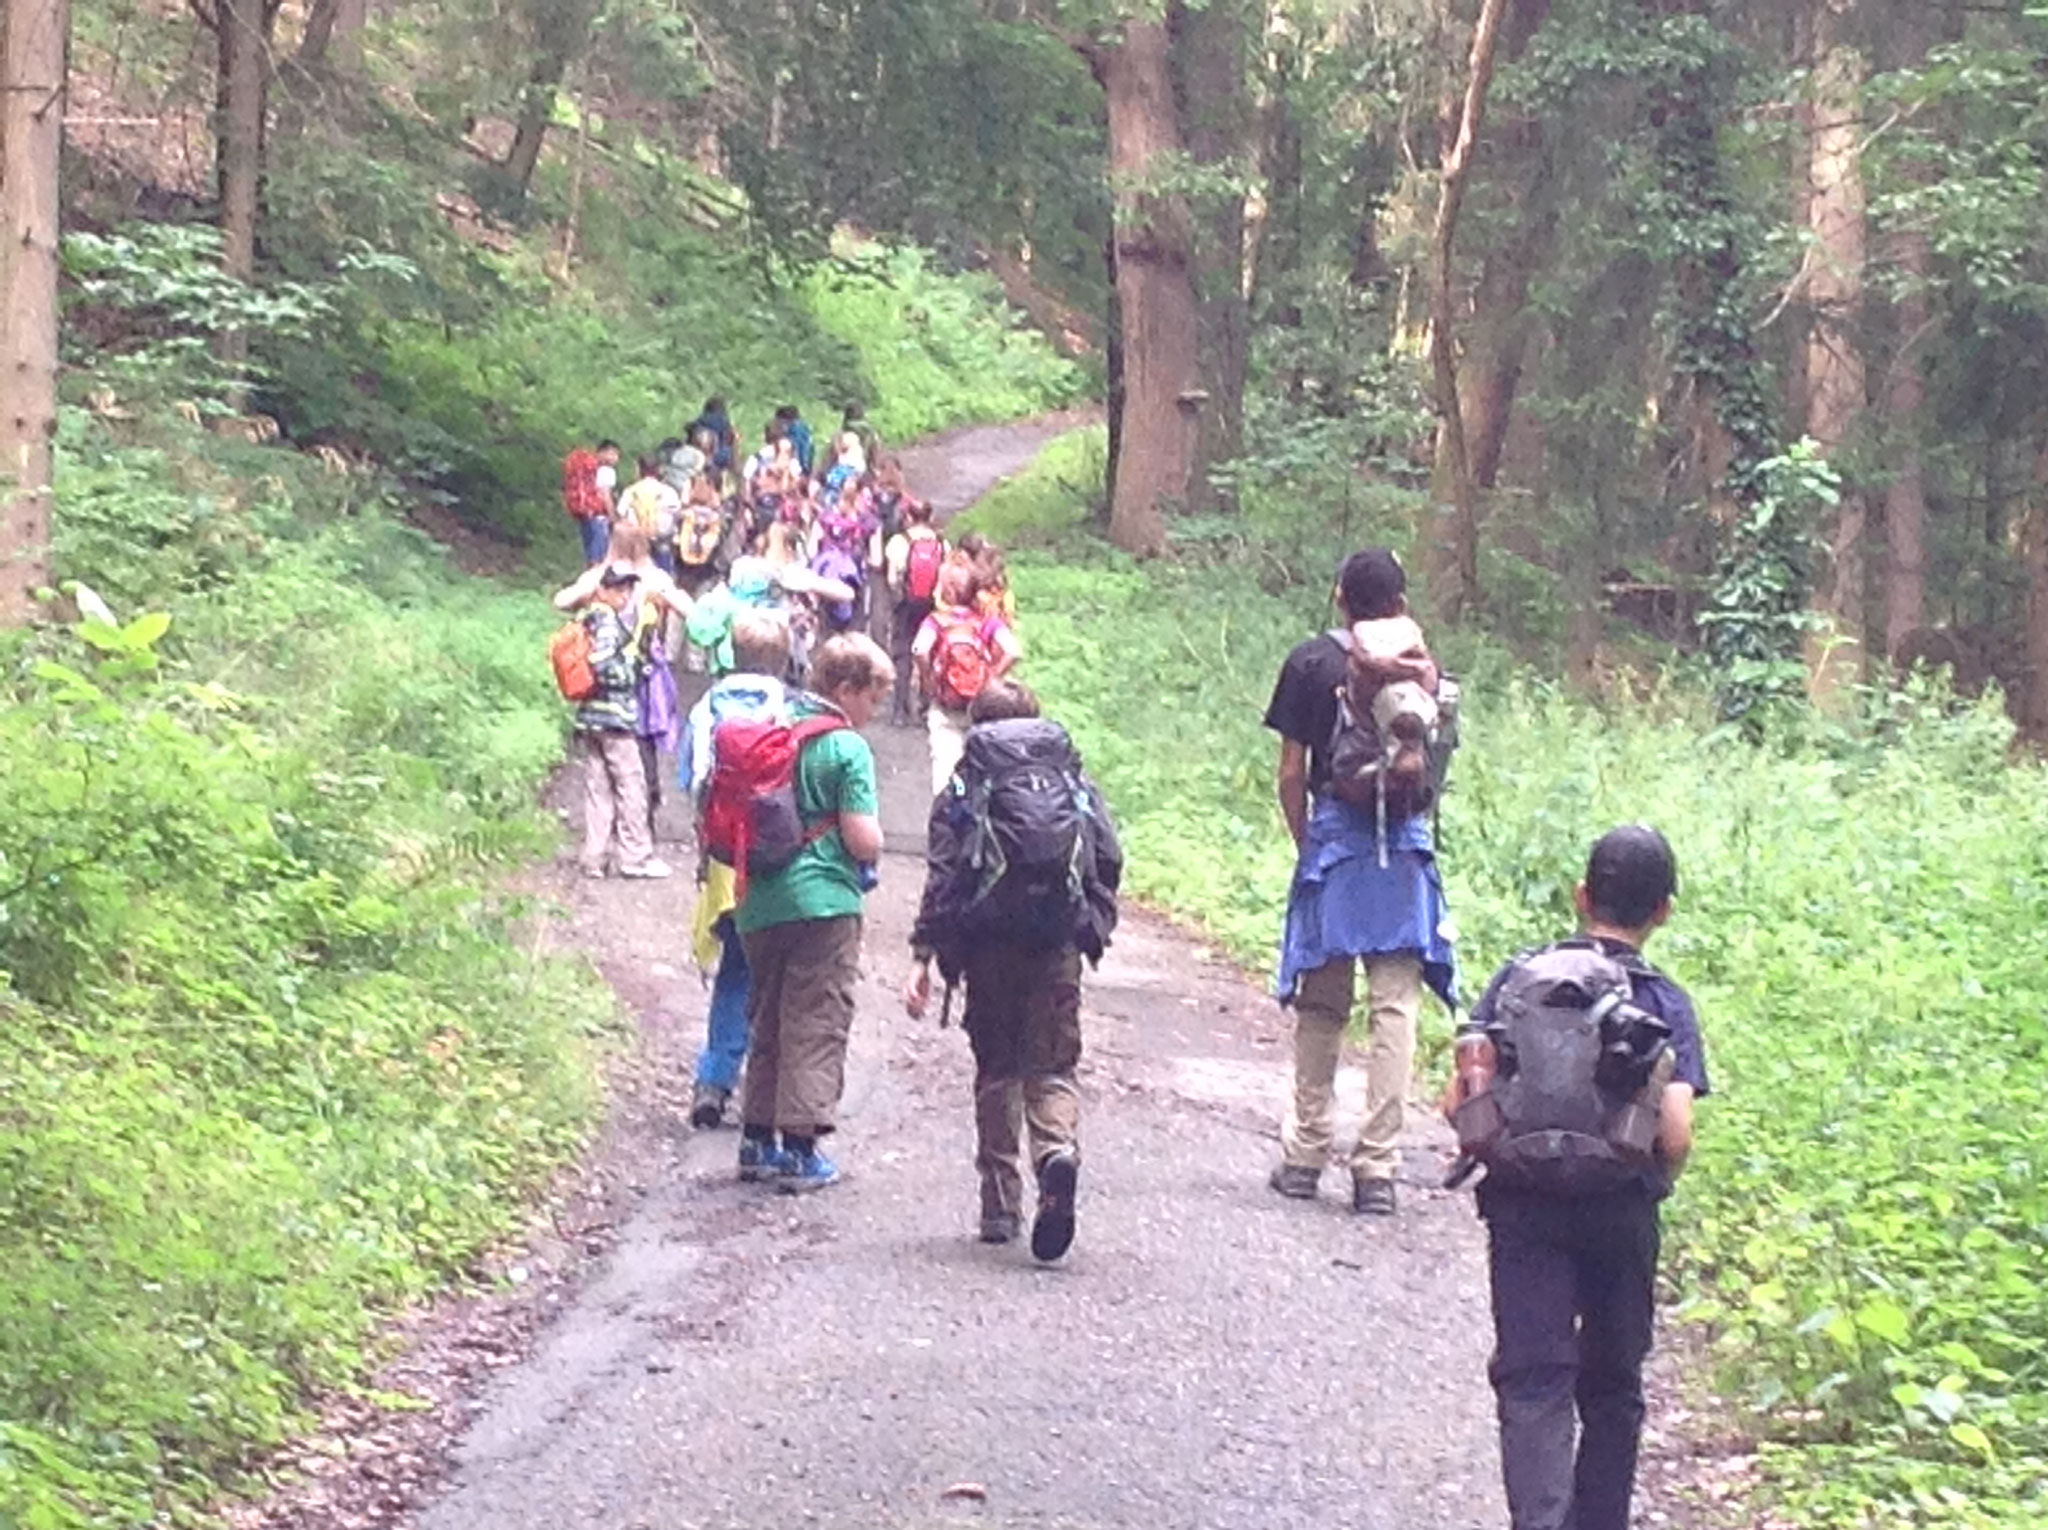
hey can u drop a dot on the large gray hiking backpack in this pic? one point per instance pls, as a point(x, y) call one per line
point(1579, 1076)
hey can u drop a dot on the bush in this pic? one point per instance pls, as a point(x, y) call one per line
point(1863, 919)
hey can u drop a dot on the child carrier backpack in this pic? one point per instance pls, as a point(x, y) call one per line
point(751, 819)
point(922, 566)
point(1579, 1076)
point(701, 532)
point(1391, 747)
point(581, 496)
point(963, 659)
point(1029, 843)
point(569, 653)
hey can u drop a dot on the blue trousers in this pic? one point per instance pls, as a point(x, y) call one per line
point(597, 538)
point(725, 1047)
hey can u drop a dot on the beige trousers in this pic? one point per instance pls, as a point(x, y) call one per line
point(1322, 1012)
point(614, 800)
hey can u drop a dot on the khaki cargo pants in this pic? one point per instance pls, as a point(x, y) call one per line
point(1024, 1023)
point(614, 800)
point(1322, 1012)
point(799, 1015)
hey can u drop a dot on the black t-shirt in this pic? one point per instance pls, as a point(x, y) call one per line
point(1304, 705)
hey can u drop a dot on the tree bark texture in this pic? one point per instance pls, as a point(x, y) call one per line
point(1460, 565)
point(33, 36)
point(2034, 711)
point(242, 36)
point(333, 29)
point(1905, 503)
point(1159, 318)
point(1216, 118)
point(1836, 386)
point(561, 32)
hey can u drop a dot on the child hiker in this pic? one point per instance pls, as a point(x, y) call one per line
point(1575, 1087)
point(806, 791)
point(607, 735)
point(752, 690)
point(957, 651)
point(1019, 801)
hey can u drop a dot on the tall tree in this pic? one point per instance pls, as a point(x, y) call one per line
point(561, 33)
point(33, 36)
point(1459, 567)
point(242, 31)
point(1836, 384)
point(1159, 319)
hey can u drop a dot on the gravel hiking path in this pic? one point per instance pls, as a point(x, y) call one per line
point(681, 1352)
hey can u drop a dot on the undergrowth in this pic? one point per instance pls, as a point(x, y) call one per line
point(272, 1057)
point(1863, 918)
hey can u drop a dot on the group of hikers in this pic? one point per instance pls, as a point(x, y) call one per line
point(1576, 1070)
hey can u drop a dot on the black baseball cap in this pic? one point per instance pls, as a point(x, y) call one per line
point(1630, 873)
point(616, 574)
point(1371, 583)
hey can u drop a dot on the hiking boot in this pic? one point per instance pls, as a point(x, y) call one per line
point(653, 869)
point(594, 870)
point(1296, 1181)
point(761, 1161)
point(1052, 1230)
point(707, 1106)
point(813, 1171)
point(999, 1227)
point(1372, 1197)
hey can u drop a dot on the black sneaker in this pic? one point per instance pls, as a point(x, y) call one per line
point(1372, 1197)
point(707, 1106)
point(1052, 1230)
point(1296, 1181)
point(999, 1227)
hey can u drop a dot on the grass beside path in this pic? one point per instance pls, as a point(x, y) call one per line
point(1863, 918)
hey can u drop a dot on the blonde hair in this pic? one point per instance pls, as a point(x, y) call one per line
point(760, 642)
point(631, 543)
point(853, 661)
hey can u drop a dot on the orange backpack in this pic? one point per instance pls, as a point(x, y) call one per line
point(581, 496)
point(569, 652)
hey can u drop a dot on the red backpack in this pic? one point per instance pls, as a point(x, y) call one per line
point(963, 659)
point(581, 496)
point(751, 818)
point(921, 567)
point(569, 653)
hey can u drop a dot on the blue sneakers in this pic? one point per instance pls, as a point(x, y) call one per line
point(763, 1160)
point(813, 1171)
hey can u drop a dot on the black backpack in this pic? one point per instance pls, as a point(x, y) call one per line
point(1579, 1080)
point(1029, 842)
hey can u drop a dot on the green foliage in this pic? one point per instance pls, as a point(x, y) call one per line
point(1757, 614)
point(1863, 918)
point(273, 1059)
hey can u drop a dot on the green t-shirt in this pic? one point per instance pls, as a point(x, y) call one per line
point(836, 774)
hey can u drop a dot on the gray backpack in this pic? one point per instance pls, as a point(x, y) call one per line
point(1579, 1077)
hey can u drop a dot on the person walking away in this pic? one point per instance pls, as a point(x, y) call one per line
point(607, 725)
point(801, 440)
point(854, 422)
point(751, 689)
point(772, 437)
point(1573, 1240)
point(800, 920)
point(716, 422)
point(957, 651)
point(1020, 800)
point(656, 509)
point(911, 564)
point(590, 480)
point(1365, 892)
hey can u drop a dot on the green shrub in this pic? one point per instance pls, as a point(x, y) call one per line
point(1863, 919)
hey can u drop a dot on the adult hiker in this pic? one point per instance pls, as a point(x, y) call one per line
point(607, 726)
point(911, 564)
point(1608, 1059)
point(651, 504)
point(750, 687)
point(801, 441)
point(1365, 892)
point(957, 651)
point(716, 421)
point(808, 793)
point(590, 481)
point(1021, 876)
point(854, 422)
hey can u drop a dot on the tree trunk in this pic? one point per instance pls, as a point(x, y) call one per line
point(1159, 319)
point(536, 111)
point(242, 38)
point(1459, 568)
point(1216, 118)
point(1905, 505)
point(33, 35)
point(1836, 387)
point(333, 29)
point(2034, 712)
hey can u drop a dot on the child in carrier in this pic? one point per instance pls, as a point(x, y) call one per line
point(1582, 1128)
point(1020, 801)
